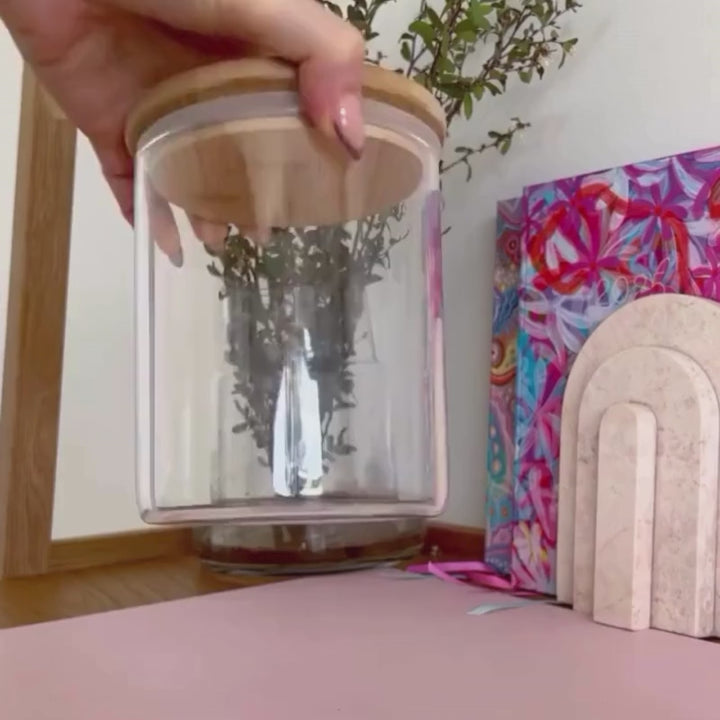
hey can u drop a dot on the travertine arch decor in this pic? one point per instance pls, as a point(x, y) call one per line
point(622, 593)
point(684, 324)
point(680, 556)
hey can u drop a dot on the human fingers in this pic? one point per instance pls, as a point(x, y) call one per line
point(117, 166)
point(162, 226)
point(328, 51)
point(209, 233)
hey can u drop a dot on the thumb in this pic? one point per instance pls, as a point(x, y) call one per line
point(328, 51)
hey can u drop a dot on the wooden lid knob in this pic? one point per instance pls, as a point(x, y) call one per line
point(278, 171)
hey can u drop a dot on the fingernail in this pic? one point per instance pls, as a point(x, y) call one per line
point(349, 125)
point(176, 257)
point(210, 234)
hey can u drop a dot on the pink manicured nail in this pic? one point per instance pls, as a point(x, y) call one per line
point(210, 234)
point(176, 257)
point(349, 125)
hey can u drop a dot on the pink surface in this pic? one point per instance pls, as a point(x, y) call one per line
point(364, 646)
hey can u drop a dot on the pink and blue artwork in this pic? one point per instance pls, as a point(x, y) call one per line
point(501, 422)
point(589, 245)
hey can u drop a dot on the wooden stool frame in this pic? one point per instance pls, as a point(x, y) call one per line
point(35, 334)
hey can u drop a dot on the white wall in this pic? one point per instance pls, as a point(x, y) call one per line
point(96, 463)
point(643, 82)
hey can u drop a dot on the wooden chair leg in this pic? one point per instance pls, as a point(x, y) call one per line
point(35, 331)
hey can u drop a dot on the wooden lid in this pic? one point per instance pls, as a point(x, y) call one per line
point(250, 75)
point(278, 171)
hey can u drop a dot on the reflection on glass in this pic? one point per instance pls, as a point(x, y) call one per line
point(297, 436)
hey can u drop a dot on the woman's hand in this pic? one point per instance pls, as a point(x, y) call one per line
point(97, 57)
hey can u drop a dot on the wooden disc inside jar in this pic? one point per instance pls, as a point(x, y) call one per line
point(278, 172)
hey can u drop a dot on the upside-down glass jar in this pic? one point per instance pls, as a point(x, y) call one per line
point(289, 334)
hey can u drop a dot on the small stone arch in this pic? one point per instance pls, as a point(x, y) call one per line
point(676, 391)
point(686, 326)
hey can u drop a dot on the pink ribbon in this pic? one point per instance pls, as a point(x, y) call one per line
point(472, 572)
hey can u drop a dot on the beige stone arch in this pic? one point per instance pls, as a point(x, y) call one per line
point(625, 518)
point(686, 324)
point(685, 486)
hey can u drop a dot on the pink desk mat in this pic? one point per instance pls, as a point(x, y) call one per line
point(364, 646)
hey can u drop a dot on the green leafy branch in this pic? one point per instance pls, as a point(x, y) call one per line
point(500, 141)
point(520, 38)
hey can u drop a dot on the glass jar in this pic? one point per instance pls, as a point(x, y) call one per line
point(289, 337)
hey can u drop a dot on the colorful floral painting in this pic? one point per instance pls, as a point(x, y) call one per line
point(590, 245)
point(501, 423)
